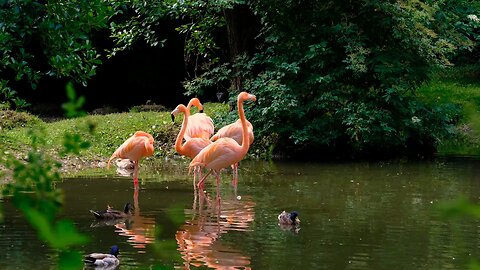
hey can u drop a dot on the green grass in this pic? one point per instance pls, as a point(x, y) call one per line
point(459, 85)
point(109, 131)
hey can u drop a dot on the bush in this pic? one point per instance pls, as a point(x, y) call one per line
point(11, 119)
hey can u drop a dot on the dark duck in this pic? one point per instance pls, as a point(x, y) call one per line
point(114, 214)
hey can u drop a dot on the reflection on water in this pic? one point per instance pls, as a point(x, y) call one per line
point(199, 238)
point(140, 230)
point(379, 215)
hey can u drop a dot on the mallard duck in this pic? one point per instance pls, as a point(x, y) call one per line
point(102, 260)
point(114, 214)
point(286, 218)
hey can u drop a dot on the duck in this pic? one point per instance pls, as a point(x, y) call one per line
point(110, 213)
point(286, 218)
point(103, 260)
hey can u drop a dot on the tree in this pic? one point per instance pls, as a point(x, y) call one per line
point(342, 75)
point(48, 38)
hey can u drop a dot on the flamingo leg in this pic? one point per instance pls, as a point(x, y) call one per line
point(235, 170)
point(135, 173)
point(194, 179)
point(201, 182)
point(235, 175)
point(195, 197)
point(217, 176)
point(135, 198)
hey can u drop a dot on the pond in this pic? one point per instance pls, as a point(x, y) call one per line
point(363, 215)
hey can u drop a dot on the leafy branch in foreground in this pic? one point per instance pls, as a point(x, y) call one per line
point(461, 208)
point(32, 191)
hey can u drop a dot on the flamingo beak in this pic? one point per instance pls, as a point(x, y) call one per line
point(173, 117)
point(252, 97)
point(201, 111)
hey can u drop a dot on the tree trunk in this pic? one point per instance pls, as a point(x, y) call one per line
point(242, 27)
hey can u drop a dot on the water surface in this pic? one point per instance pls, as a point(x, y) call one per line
point(375, 215)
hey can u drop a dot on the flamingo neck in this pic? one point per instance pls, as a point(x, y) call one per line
point(192, 103)
point(241, 113)
point(178, 142)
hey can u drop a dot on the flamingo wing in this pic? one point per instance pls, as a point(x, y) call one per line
point(135, 147)
point(234, 131)
point(192, 147)
point(199, 126)
point(218, 155)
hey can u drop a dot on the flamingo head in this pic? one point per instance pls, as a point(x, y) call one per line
point(180, 108)
point(195, 102)
point(246, 96)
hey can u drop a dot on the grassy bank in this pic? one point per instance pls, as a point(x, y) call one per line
point(104, 133)
point(459, 85)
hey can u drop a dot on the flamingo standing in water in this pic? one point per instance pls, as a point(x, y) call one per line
point(224, 152)
point(134, 148)
point(199, 124)
point(192, 146)
point(234, 131)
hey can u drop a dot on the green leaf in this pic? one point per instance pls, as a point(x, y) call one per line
point(70, 260)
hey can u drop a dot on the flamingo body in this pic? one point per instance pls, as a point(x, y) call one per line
point(234, 131)
point(134, 148)
point(224, 152)
point(199, 124)
point(221, 154)
point(192, 146)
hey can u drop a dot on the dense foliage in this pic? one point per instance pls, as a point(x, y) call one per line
point(329, 75)
point(341, 75)
point(48, 38)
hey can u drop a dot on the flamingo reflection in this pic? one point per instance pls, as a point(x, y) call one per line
point(198, 239)
point(139, 229)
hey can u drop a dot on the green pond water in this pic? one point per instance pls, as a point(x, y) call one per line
point(367, 215)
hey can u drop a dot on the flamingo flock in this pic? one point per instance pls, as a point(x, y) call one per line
point(213, 153)
point(224, 149)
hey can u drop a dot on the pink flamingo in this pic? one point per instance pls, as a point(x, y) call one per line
point(234, 131)
point(134, 148)
point(199, 124)
point(224, 152)
point(194, 145)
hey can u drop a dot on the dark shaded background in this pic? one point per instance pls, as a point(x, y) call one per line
point(140, 75)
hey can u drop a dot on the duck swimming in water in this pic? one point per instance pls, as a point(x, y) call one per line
point(286, 218)
point(114, 214)
point(289, 221)
point(102, 260)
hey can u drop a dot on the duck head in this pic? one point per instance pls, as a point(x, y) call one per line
point(128, 208)
point(294, 217)
point(114, 250)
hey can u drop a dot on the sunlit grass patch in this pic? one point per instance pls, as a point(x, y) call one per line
point(109, 131)
point(459, 85)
